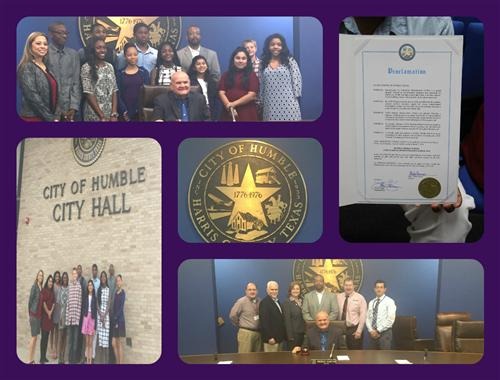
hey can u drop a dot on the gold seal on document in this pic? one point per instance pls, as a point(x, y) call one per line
point(429, 187)
point(334, 271)
point(247, 191)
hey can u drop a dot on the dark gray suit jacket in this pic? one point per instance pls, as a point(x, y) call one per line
point(294, 322)
point(167, 109)
point(312, 338)
point(36, 93)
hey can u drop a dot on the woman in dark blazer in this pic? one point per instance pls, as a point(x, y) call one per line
point(292, 313)
point(38, 85)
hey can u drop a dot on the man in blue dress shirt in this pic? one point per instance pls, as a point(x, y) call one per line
point(147, 53)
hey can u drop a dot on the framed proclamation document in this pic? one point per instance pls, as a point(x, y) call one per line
point(399, 118)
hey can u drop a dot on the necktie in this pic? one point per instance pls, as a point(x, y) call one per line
point(60, 56)
point(323, 341)
point(344, 308)
point(375, 312)
point(184, 111)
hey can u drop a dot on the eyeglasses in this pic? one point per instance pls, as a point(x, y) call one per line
point(65, 33)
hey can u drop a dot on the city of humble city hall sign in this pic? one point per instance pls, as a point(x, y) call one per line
point(86, 152)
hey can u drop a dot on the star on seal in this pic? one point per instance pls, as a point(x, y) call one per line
point(334, 271)
point(267, 204)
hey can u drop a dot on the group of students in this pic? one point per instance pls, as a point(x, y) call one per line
point(52, 77)
point(87, 317)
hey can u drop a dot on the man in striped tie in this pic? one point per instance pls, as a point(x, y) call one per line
point(381, 317)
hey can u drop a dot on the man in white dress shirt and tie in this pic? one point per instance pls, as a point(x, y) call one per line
point(381, 317)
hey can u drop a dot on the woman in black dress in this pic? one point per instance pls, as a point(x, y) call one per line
point(35, 313)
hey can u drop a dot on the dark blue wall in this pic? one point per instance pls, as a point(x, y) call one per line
point(196, 311)
point(419, 287)
point(306, 153)
point(310, 55)
point(462, 287)
point(224, 34)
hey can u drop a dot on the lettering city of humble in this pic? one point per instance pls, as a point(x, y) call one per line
point(100, 206)
point(265, 151)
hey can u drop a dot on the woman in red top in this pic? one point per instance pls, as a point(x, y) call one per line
point(48, 304)
point(238, 88)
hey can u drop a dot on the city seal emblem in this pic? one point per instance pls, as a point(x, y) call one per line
point(429, 187)
point(120, 29)
point(406, 52)
point(334, 271)
point(247, 191)
point(87, 150)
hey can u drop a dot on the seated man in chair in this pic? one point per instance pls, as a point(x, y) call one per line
point(180, 104)
point(321, 336)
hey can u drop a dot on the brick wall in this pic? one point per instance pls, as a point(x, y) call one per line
point(131, 241)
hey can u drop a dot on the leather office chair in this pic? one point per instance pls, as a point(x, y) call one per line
point(405, 337)
point(147, 96)
point(468, 336)
point(444, 324)
point(341, 326)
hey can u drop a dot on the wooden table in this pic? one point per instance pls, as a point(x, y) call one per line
point(356, 357)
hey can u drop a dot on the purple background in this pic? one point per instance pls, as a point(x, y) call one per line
point(324, 130)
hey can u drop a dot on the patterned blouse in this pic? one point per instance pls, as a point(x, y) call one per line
point(74, 305)
point(103, 89)
point(280, 90)
point(103, 328)
point(63, 301)
point(165, 73)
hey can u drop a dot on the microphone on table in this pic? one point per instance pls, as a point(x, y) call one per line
point(425, 354)
point(331, 352)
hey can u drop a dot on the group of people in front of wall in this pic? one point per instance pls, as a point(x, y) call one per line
point(57, 82)
point(81, 319)
point(299, 323)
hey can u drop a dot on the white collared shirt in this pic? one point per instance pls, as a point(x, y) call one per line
point(204, 88)
point(320, 296)
point(194, 52)
point(386, 314)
